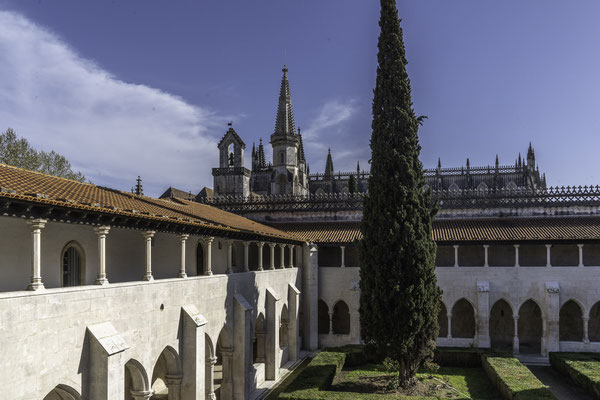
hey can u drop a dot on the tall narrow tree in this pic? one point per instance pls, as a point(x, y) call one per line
point(399, 298)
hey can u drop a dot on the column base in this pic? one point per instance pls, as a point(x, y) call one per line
point(211, 396)
point(148, 277)
point(229, 272)
point(36, 286)
point(142, 395)
point(182, 275)
point(101, 281)
point(208, 273)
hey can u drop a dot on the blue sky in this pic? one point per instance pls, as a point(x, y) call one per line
point(144, 87)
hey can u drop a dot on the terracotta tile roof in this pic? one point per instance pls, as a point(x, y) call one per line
point(466, 230)
point(174, 192)
point(30, 186)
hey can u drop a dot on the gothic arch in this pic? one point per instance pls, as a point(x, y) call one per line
point(320, 192)
point(200, 259)
point(323, 321)
point(454, 187)
point(482, 186)
point(223, 371)
point(443, 320)
point(594, 323)
point(501, 324)
point(209, 353)
point(530, 327)
point(570, 322)
point(340, 319)
point(463, 319)
point(511, 186)
point(136, 379)
point(167, 364)
point(72, 265)
point(63, 392)
point(258, 345)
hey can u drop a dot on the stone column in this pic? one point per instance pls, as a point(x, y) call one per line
point(310, 282)
point(173, 383)
point(449, 316)
point(517, 255)
point(148, 235)
point(182, 239)
point(282, 256)
point(142, 394)
point(586, 321)
point(331, 322)
point(580, 255)
point(260, 255)
point(482, 334)
point(101, 231)
point(229, 244)
point(552, 316)
point(516, 335)
point(210, 378)
point(246, 261)
point(227, 382)
point(486, 248)
point(36, 265)
point(291, 248)
point(455, 255)
point(208, 241)
point(548, 263)
point(343, 248)
point(272, 258)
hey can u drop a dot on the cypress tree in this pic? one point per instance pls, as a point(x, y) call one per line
point(352, 185)
point(399, 298)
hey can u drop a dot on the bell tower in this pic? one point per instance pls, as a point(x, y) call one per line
point(231, 178)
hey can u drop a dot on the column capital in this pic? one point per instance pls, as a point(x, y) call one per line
point(102, 230)
point(260, 244)
point(246, 243)
point(456, 246)
point(342, 247)
point(173, 380)
point(580, 246)
point(516, 317)
point(586, 319)
point(449, 315)
point(486, 246)
point(183, 236)
point(38, 223)
point(142, 394)
point(548, 246)
point(291, 246)
point(281, 245)
point(517, 246)
point(271, 245)
point(228, 242)
point(211, 360)
point(208, 239)
point(148, 234)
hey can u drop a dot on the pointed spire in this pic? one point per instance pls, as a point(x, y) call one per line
point(497, 163)
point(520, 160)
point(329, 165)
point(139, 189)
point(468, 164)
point(262, 162)
point(284, 125)
point(358, 167)
point(300, 148)
point(439, 163)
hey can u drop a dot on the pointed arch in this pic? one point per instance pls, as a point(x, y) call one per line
point(482, 186)
point(223, 377)
point(63, 392)
point(323, 322)
point(72, 265)
point(463, 319)
point(530, 327)
point(594, 323)
point(283, 326)
point(570, 322)
point(209, 354)
point(200, 258)
point(511, 186)
point(258, 345)
point(167, 364)
point(340, 320)
point(136, 378)
point(454, 187)
point(501, 325)
point(443, 320)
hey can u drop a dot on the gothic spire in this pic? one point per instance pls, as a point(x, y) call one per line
point(262, 163)
point(284, 125)
point(300, 148)
point(329, 165)
point(439, 163)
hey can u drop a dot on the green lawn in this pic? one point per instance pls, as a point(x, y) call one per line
point(447, 383)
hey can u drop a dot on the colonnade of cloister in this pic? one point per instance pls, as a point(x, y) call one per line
point(521, 328)
point(334, 322)
point(287, 253)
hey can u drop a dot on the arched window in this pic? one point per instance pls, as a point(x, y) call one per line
point(463, 320)
point(282, 157)
point(73, 271)
point(443, 320)
point(502, 328)
point(283, 327)
point(167, 365)
point(341, 318)
point(199, 259)
point(570, 322)
point(323, 323)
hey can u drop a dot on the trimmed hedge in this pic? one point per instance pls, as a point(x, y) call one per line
point(514, 380)
point(457, 357)
point(582, 368)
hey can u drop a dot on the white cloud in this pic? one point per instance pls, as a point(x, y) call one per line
point(109, 129)
point(331, 128)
